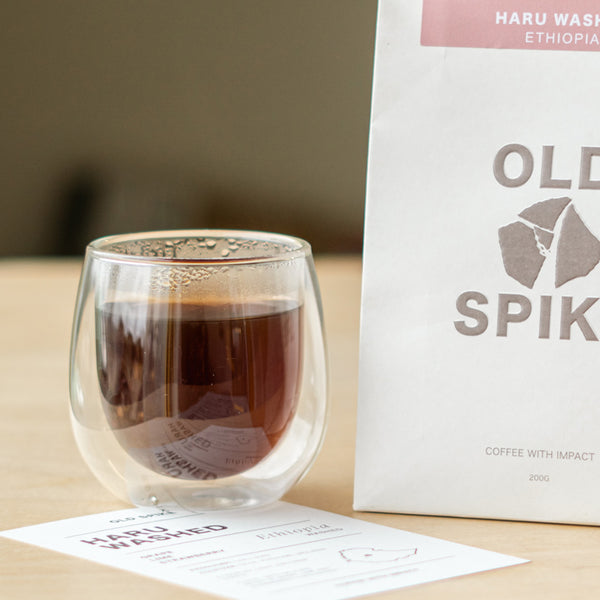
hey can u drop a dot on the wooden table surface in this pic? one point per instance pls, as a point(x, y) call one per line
point(44, 478)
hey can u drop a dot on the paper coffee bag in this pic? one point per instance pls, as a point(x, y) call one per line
point(479, 388)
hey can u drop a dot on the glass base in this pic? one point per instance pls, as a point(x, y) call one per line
point(234, 497)
point(263, 484)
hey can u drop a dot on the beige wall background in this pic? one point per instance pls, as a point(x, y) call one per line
point(129, 115)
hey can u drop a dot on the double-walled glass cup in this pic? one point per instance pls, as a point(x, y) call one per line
point(198, 368)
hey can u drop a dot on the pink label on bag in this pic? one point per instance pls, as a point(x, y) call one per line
point(517, 24)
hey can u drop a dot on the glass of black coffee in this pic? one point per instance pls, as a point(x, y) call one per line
point(198, 369)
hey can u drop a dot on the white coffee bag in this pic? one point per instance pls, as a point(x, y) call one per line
point(479, 385)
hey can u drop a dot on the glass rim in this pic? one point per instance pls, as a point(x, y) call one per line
point(290, 247)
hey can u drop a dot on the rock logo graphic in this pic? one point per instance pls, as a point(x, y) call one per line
point(551, 229)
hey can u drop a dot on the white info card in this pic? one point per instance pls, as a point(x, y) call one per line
point(283, 551)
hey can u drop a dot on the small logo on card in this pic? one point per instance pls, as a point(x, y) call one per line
point(377, 555)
